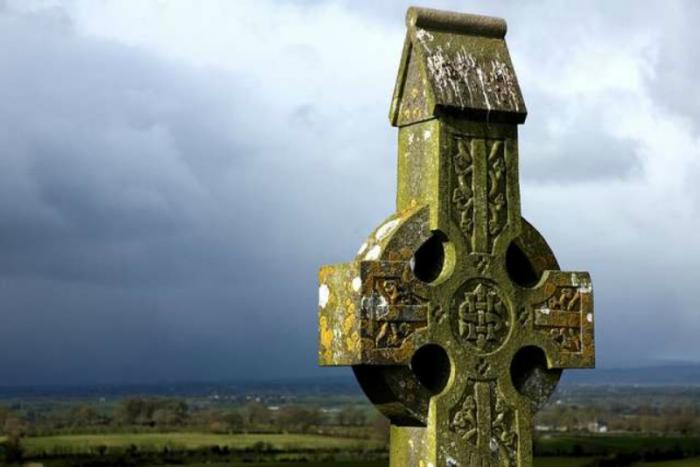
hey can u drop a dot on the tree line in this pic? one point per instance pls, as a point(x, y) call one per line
point(134, 414)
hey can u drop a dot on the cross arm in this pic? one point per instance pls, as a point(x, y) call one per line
point(560, 317)
point(370, 312)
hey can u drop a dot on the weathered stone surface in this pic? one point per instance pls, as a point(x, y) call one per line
point(455, 62)
point(454, 314)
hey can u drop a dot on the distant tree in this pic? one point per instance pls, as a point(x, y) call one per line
point(128, 411)
point(381, 428)
point(174, 411)
point(344, 415)
point(15, 429)
point(233, 420)
point(685, 423)
point(5, 413)
point(351, 416)
point(85, 415)
point(165, 417)
point(298, 418)
point(288, 418)
point(151, 411)
point(256, 415)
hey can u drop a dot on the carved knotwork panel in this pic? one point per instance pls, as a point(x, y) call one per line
point(480, 315)
point(496, 195)
point(463, 191)
point(479, 190)
point(484, 420)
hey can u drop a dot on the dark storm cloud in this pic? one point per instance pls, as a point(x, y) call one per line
point(159, 221)
point(132, 244)
point(91, 152)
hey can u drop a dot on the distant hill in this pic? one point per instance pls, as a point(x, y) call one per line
point(661, 375)
point(320, 387)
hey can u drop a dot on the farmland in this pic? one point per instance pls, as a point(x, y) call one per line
point(315, 450)
point(81, 444)
point(318, 426)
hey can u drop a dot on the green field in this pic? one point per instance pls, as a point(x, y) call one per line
point(600, 445)
point(157, 441)
point(153, 442)
point(682, 463)
point(562, 461)
point(553, 462)
point(549, 462)
point(292, 464)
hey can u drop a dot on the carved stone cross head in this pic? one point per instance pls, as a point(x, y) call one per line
point(454, 314)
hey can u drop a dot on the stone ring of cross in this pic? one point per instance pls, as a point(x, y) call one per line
point(454, 314)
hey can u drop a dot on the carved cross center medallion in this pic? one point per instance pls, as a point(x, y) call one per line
point(482, 317)
point(454, 314)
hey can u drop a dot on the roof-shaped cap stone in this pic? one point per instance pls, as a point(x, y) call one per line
point(455, 64)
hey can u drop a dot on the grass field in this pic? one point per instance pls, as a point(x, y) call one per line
point(597, 445)
point(553, 462)
point(149, 442)
point(682, 463)
point(562, 462)
point(291, 464)
point(158, 441)
point(550, 462)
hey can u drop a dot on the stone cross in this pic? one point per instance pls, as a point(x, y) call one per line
point(454, 315)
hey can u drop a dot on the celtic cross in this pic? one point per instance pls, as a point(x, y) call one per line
point(454, 314)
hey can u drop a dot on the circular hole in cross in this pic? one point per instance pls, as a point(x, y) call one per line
point(429, 259)
point(520, 269)
point(432, 367)
point(531, 377)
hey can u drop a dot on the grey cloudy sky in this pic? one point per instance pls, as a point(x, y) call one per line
point(172, 174)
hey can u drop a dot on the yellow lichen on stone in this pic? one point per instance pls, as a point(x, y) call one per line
point(349, 324)
point(326, 338)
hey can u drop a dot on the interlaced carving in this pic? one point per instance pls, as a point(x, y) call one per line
point(483, 419)
point(496, 182)
point(463, 419)
point(482, 317)
point(463, 195)
point(484, 179)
